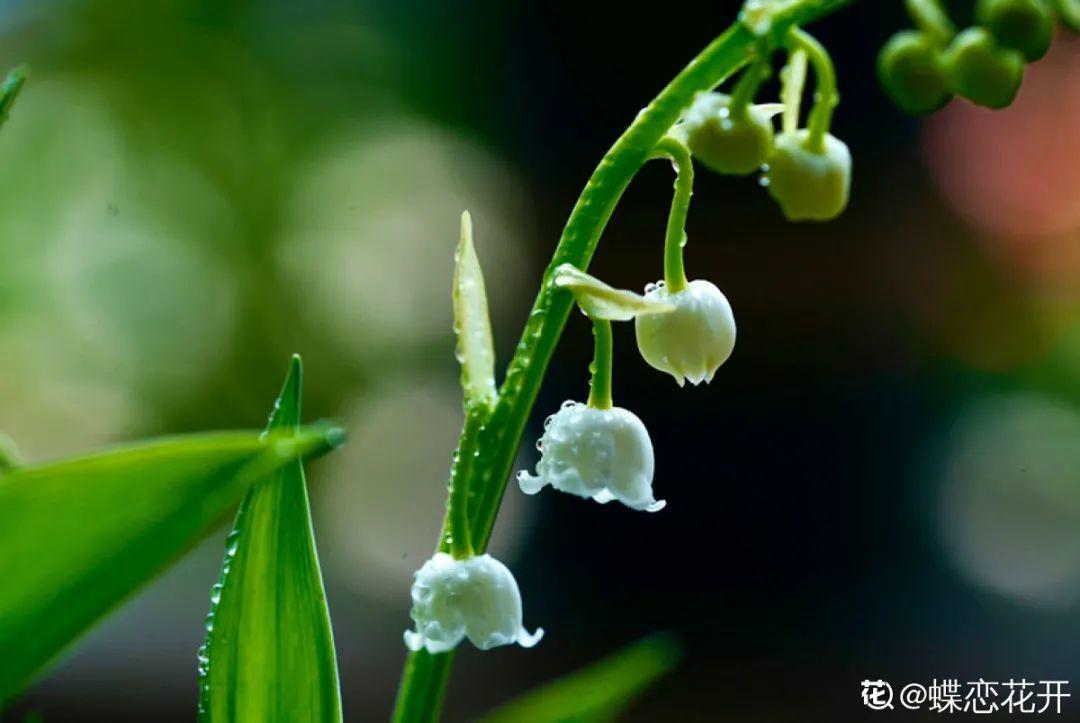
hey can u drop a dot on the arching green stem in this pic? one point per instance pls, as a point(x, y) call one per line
point(675, 236)
point(930, 17)
point(824, 87)
point(458, 531)
point(600, 388)
point(424, 679)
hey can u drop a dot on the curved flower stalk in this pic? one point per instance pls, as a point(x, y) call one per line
point(809, 171)
point(492, 434)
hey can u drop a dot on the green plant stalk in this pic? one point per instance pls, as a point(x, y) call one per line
point(748, 85)
point(424, 678)
point(458, 535)
point(824, 84)
point(600, 387)
point(930, 17)
point(675, 234)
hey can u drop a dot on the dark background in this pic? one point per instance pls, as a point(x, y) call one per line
point(881, 482)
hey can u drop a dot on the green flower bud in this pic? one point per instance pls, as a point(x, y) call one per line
point(1069, 11)
point(725, 141)
point(982, 71)
point(913, 74)
point(692, 341)
point(1024, 25)
point(809, 185)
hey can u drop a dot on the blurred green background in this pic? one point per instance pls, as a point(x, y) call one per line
point(882, 482)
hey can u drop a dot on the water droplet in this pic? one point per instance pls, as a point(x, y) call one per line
point(763, 181)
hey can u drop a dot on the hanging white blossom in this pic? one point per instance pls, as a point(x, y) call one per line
point(476, 598)
point(605, 454)
point(693, 341)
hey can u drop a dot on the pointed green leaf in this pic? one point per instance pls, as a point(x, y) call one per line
point(9, 90)
point(475, 348)
point(80, 535)
point(269, 652)
point(601, 301)
point(598, 692)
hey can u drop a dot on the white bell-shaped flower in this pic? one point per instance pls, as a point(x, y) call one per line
point(691, 342)
point(476, 598)
point(605, 454)
point(809, 185)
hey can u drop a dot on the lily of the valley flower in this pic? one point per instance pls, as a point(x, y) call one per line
point(476, 598)
point(605, 454)
point(691, 342)
point(810, 184)
point(726, 138)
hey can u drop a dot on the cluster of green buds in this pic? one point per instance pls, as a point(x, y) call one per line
point(922, 69)
point(806, 170)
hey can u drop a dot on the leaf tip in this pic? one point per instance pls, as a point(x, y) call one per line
point(335, 436)
point(296, 370)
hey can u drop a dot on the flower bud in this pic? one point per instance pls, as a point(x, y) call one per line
point(1023, 25)
point(476, 598)
point(727, 142)
point(605, 454)
point(982, 71)
point(913, 74)
point(691, 342)
point(1069, 12)
point(809, 185)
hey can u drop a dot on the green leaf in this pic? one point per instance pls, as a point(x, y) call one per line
point(475, 349)
point(80, 535)
point(601, 301)
point(598, 692)
point(269, 652)
point(9, 90)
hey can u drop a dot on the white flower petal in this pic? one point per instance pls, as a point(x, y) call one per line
point(693, 341)
point(476, 598)
point(605, 454)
